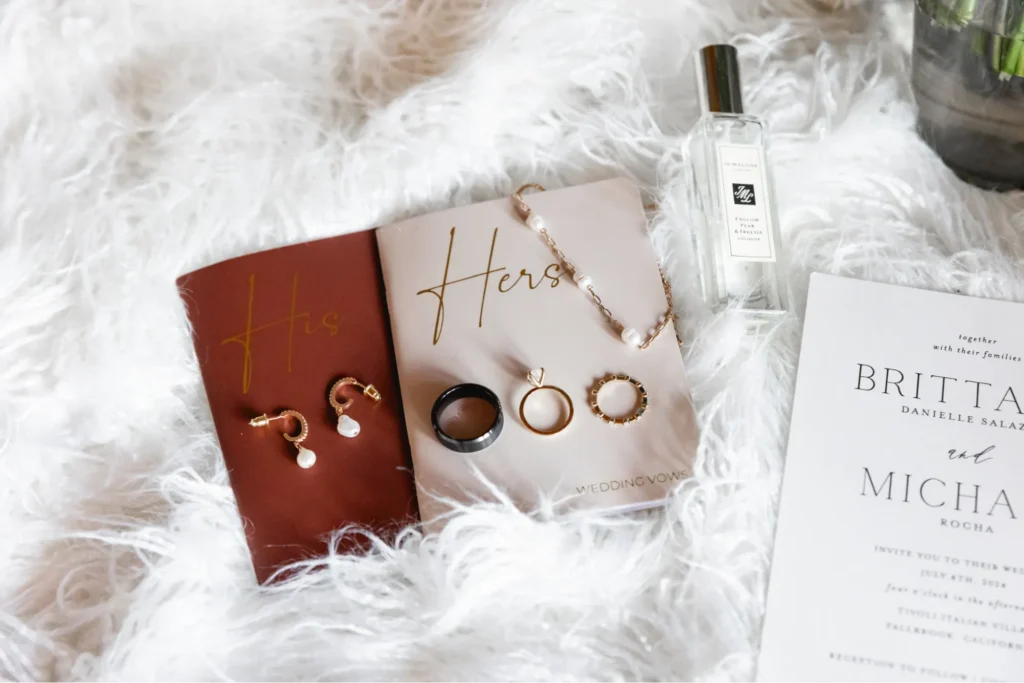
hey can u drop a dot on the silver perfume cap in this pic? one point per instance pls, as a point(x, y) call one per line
point(718, 79)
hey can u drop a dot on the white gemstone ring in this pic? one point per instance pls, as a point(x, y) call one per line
point(536, 379)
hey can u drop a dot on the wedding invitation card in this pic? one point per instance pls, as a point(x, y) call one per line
point(898, 553)
point(477, 296)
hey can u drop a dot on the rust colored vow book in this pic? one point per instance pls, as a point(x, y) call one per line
point(273, 331)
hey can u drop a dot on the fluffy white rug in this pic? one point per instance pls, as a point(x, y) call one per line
point(141, 139)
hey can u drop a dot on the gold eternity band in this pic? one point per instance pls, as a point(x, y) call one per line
point(642, 404)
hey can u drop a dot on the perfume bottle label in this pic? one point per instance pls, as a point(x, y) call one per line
point(745, 202)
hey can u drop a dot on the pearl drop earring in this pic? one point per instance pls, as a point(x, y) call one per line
point(348, 427)
point(305, 457)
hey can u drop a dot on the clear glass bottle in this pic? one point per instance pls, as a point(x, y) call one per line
point(737, 233)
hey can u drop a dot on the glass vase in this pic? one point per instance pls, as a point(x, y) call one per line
point(968, 80)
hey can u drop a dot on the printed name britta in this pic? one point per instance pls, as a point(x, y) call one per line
point(934, 388)
point(945, 390)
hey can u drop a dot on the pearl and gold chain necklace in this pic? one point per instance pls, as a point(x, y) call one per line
point(629, 335)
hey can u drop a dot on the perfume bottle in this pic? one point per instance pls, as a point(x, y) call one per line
point(737, 234)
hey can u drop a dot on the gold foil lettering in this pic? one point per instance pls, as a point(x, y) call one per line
point(552, 272)
point(328, 321)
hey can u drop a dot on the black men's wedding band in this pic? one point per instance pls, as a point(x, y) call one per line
point(456, 393)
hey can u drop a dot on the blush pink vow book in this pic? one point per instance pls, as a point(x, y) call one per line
point(477, 296)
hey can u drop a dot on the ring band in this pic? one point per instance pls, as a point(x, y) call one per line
point(536, 378)
point(641, 404)
point(456, 393)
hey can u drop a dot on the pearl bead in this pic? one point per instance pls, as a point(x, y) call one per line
point(306, 458)
point(582, 281)
point(536, 222)
point(631, 337)
point(348, 427)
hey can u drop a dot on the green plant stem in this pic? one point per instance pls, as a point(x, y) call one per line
point(937, 10)
point(1005, 53)
point(996, 50)
point(1009, 63)
point(964, 12)
point(978, 44)
point(1013, 59)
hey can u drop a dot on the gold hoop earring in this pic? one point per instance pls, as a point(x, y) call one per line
point(348, 427)
point(536, 378)
point(641, 407)
point(305, 457)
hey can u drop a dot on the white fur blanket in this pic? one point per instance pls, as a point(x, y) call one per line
point(141, 139)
